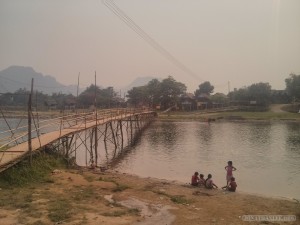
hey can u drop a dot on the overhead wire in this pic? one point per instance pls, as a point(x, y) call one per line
point(153, 43)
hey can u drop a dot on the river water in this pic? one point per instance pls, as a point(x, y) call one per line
point(266, 154)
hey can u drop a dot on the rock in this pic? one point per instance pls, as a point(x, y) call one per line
point(56, 171)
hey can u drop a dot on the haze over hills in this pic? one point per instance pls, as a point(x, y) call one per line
point(139, 81)
point(15, 77)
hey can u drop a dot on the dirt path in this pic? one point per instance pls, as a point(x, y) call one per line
point(277, 108)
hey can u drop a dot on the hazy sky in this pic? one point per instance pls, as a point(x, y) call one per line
point(237, 41)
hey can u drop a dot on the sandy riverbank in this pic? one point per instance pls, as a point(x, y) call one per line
point(93, 197)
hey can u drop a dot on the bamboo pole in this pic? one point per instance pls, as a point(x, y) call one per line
point(29, 122)
point(96, 130)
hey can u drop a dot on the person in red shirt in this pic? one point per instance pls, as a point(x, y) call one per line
point(232, 185)
point(195, 179)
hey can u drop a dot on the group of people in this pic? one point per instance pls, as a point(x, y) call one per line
point(209, 183)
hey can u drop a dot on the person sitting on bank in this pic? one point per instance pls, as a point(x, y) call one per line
point(195, 179)
point(202, 180)
point(209, 183)
point(231, 185)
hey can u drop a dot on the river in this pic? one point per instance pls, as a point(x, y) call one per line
point(266, 154)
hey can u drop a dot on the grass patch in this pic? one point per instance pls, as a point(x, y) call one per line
point(104, 179)
point(134, 211)
point(117, 213)
point(84, 193)
point(120, 187)
point(89, 178)
point(60, 210)
point(38, 222)
point(33, 211)
point(162, 193)
point(179, 199)
point(23, 174)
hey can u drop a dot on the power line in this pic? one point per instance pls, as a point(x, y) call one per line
point(154, 44)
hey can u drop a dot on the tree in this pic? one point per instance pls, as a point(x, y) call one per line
point(219, 98)
point(104, 96)
point(239, 95)
point(293, 86)
point(170, 91)
point(204, 88)
point(260, 93)
point(137, 96)
point(153, 92)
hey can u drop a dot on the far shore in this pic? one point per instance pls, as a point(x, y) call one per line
point(229, 116)
point(275, 113)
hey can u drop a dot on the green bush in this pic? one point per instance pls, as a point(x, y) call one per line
point(23, 173)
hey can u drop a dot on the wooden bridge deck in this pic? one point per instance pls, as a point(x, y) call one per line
point(13, 155)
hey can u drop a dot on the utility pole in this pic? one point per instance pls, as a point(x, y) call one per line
point(77, 91)
point(29, 122)
point(96, 128)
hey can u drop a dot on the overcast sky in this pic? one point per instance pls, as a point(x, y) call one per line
point(237, 41)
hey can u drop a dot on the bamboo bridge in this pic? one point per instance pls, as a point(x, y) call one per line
point(71, 134)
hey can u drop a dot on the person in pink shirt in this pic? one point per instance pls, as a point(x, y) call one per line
point(229, 168)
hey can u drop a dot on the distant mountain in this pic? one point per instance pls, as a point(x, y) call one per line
point(139, 81)
point(16, 77)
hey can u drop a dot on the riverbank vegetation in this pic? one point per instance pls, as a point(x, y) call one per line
point(230, 116)
point(160, 94)
point(24, 173)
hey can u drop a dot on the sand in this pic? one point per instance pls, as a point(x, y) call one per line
point(93, 197)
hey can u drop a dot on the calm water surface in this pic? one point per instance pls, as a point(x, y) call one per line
point(266, 155)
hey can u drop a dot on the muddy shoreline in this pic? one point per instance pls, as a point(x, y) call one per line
point(93, 197)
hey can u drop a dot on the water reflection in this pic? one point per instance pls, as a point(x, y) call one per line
point(293, 137)
point(165, 134)
point(266, 154)
point(204, 132)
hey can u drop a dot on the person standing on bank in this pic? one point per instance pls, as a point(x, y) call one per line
point(229, 168)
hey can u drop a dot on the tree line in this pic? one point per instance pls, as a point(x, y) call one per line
point(165, 93)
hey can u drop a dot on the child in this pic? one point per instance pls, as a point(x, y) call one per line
point(229, 168)
point(231, 186)
point(202, 180)
point(195, 179)
point(209, 183)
